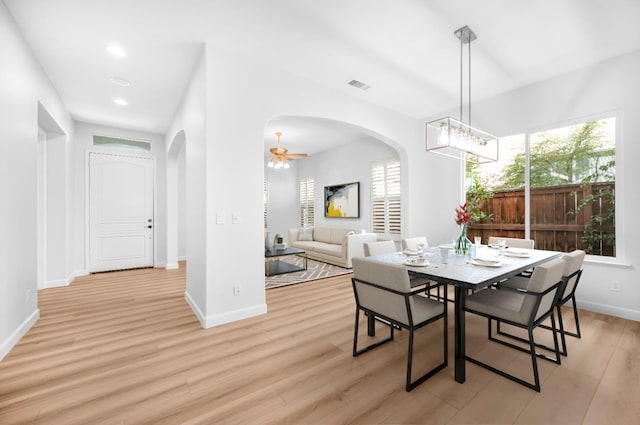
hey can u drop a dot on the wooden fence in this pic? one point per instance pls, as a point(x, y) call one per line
point(556, 222)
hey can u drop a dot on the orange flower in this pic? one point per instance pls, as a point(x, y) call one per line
point(462, 215)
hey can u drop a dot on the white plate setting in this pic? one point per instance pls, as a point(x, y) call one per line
point(485, 262)
point(521, 253)
point(415, 262)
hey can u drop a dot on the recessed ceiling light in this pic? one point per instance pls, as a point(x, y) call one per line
point(120, 101)
point(120, 81)
point(116, 50)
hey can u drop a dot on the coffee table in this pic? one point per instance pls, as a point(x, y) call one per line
point(273, 265)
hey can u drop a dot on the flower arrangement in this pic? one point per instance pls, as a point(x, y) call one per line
point(463, 217)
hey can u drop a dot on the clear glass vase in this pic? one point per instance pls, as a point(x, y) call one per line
point(463, 244)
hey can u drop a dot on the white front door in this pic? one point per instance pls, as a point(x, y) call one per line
point(120, 212)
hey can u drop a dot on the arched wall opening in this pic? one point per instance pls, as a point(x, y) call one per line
point(339, 152)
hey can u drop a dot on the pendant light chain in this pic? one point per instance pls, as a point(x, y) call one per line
point(469, 117)
point(461, 50)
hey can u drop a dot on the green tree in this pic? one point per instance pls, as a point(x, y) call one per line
point(556, 160)
point(475, 196)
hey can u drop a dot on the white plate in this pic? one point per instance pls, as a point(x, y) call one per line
point(496, 246)
point(410, 252)
point(415, 263)
point(489, 259)
point(517, 253)
point(486, 264)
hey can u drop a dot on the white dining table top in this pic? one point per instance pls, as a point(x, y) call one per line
point(461, 271)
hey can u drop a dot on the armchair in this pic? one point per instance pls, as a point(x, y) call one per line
point(383, 290)
point(523, 308)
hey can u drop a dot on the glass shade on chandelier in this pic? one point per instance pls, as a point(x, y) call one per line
point(278, 163)
point(453, 138)
point(450, 137)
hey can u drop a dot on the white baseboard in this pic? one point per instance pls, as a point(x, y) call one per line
point(172, 266)
point(194, 308)
point(12, 340)
point(81, 272)
point(160, 265)
point(234, 316)
point(227, 317)
point(623, 313)
point(182, 258)
point(60, 282)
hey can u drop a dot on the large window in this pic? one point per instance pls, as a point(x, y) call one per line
point(307, 200)
point(556, 187)
point(385, 199)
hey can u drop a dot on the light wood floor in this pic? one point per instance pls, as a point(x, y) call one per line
point(124, 348)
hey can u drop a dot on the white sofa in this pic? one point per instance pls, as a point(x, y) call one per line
point(333, 245)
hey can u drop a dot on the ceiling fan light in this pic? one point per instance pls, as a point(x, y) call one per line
point(286, 165)
point(270, 163)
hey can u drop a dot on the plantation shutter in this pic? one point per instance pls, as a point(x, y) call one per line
point(307, 201)
point(378, 222)
point(393, 197)
point(385, 198)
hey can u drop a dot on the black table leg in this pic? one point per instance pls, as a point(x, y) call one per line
point(371, 325)
point(460, 353)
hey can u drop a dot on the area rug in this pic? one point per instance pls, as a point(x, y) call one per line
point(315, 270)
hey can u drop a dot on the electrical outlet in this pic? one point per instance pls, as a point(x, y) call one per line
point(615, 285)
point(236, 290)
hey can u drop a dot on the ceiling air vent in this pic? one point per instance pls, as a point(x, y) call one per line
point(359, 84)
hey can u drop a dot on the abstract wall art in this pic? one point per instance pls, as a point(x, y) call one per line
point(342, 200)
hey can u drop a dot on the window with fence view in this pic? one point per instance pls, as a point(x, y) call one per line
point(566, 177)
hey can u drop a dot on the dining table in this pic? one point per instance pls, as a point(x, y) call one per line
point(489, 266)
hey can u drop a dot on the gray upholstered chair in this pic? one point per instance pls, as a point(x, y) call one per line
point(383, 290)
point(412, 243)
point(526, 309)
point(380, 247)
point(513, 242)
point(571, 276)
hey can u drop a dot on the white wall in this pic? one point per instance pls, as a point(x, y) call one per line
point(349, 163)
point(190, 118)
point(83, 143)
point(241, 97)
point(182, 205)
point(611, 87)
point(22, 85)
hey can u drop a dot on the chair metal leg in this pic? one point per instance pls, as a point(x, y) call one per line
point(532, 352)
point(562, 330)
point(357, 352)
point(534, 361)
point(562, 337)
point(445, 361)
point(575, 315)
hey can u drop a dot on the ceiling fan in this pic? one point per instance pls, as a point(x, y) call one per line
point(280, 156)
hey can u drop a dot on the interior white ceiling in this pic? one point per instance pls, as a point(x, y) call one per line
point(405, 49)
